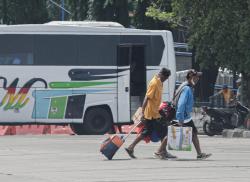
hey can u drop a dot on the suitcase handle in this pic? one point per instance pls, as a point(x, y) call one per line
point(130, 132)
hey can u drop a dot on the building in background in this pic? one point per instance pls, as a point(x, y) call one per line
point(183, 56)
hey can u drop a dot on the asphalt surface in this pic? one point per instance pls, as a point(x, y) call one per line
point(61, 158)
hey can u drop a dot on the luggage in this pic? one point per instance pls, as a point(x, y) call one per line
point(167, 111)
point(179, 138)
point(110, 146)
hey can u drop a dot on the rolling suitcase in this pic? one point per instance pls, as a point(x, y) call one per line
point(110, 146)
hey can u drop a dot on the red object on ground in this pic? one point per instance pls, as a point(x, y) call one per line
point(57, 129)
point(29, 129)
point(7, 130)
point(138, 130)
point(35, 130)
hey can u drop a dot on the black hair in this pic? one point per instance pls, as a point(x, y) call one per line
point(192, 72)
point(165, 72)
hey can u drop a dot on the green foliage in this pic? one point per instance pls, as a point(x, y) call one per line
point(155, 13)
point(76, 10)
point(109, 10)
point(126, 12)
point(149, 16)
point(18, 12)
point(79, 9)
point(219, 30)
point(161, 10)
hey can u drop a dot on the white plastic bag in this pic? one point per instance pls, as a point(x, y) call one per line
point(179, 138)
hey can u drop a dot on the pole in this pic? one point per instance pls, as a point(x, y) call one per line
point(62, 10)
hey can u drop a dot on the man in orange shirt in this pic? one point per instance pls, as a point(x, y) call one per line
point(150, 112)
point(227, 94)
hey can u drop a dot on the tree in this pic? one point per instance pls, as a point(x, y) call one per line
point(109, 10)
point(55, 11)
point(78, 8)
point(175, 16)
point(145, 14)
point(219, 30)
point(4, 11)
point(199, 17)
point(243, 65)
point(18, 12)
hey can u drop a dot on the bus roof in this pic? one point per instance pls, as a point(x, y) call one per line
point(87, 23)
point(68, 28)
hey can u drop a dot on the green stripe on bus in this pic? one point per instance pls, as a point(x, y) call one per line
point(76, 84)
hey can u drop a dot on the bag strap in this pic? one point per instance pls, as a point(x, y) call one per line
point(177, 95)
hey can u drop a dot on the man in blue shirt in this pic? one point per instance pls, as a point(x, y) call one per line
point(239, 90)
point(184, 109)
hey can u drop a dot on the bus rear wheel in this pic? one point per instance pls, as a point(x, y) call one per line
point(77, 128)
point(97, 121)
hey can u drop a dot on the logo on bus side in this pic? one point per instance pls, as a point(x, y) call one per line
point(15, 101)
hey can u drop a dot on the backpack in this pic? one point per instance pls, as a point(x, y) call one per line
point(177, 93)
point(168, 109)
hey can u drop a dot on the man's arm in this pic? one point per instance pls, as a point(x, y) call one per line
point(218, 93)
point(181, 105)
point(144, 104)
point(238, 94)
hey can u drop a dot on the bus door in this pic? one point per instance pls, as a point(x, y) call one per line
point(137, 77)
point(123, 83)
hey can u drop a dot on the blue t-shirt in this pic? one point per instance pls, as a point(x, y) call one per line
point(185, 104)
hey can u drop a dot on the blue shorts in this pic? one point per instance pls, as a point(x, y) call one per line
point(160, 127)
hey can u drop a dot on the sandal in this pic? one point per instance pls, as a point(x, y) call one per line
point(130, 153)
point(203, 156)
point(161, 156)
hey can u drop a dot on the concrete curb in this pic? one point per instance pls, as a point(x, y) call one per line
point(246, 134)
point(236, 133)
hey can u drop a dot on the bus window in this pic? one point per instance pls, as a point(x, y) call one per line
point(124, 56)
point(16, 49)
point(55, 50)
point(16, 59)
point(97, 50)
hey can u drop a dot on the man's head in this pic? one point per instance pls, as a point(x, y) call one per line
point(193, 77)
point(238, 82)
point(164, 74)
point(225, 87)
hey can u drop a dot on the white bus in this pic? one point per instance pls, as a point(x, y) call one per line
point(89, 76)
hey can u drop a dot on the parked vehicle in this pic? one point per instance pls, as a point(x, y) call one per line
point(91, 75)
point(224, 118)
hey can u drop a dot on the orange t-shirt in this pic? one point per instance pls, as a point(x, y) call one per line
point(227, 94)
point(154, 94)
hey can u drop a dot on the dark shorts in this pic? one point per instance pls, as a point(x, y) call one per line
point(156, 125)
point(189, 124)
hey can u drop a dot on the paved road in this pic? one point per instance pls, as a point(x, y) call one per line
point(77, 159)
